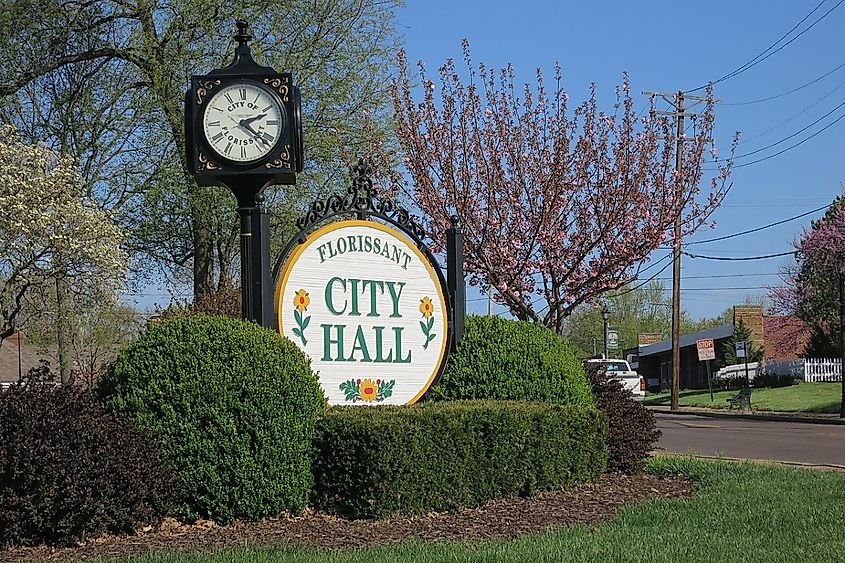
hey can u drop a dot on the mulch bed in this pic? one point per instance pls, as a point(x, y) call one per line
point(589, 504)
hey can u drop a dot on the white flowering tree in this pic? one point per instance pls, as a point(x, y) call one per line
point(50, 235)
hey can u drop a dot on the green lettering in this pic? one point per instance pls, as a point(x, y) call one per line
point(321, 249)
point(368, 243)
point(394, 296)
point(354, 289)
point(380, 358)
point(397, 333)
point(328, 341)
point(353, 244)
point(360, 344)
point(330, 301)
point(373, 304)
point(407, 259)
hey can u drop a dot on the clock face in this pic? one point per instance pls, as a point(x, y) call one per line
point(243, 122)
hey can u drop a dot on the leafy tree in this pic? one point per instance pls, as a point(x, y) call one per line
point(104, 82)
point(558, 204)
point(633, 311)
point(51, 236)
point(741, 334)
point(810, 289)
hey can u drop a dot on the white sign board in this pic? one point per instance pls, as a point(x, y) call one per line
point(367, 307)
point(706, 349)
point(740, 349)
point(612, 339)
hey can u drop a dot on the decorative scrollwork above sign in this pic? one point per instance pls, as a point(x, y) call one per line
point(204, 88)
point(283, 161)
point(362, 199)
point(281, 86)
point(206, 163)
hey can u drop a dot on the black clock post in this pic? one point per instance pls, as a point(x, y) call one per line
point(243, 130)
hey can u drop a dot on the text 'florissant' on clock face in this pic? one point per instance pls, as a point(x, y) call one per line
point(368, 308)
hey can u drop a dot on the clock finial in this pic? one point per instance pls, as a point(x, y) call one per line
point(242, 37)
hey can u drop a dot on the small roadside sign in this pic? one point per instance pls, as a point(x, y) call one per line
point(612, 339)
point(740, 349)
point(706, 350)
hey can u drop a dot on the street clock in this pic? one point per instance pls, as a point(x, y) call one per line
point(243, 124)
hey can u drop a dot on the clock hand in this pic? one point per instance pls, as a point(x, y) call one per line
point(245, 124)
point(255, 118)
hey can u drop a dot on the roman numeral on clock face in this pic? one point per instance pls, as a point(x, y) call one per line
point(242, 92)
point(272, 122)
point(217, 137)
point(229, 98)
point(214, 124)
point(243, 152)
point(228, 149)
point(268, 136)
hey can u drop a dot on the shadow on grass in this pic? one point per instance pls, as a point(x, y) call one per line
point(826, 408)
point(665, 398)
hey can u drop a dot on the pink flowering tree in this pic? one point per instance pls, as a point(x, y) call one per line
point(558, 202)
point(810, 289)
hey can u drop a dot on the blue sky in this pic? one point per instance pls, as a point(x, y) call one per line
point(667, 46)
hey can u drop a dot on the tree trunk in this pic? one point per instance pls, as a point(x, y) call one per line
point(60, 332)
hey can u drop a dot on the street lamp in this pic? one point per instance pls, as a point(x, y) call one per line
point(605, 314)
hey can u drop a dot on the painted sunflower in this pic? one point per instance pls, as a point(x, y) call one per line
point(426, 307)
point(368, 390)
point(301, 300)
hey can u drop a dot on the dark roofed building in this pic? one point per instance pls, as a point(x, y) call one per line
point(655, 360)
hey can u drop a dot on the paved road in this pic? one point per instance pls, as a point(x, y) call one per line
point(817, 444)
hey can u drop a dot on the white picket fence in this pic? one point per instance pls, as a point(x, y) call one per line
point(811, 370)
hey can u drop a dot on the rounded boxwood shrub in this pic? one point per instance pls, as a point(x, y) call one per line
point(503, 359)
point(233, 406)
point(70, 470)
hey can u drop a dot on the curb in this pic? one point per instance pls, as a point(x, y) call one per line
point(759, 415)
point(815, 466)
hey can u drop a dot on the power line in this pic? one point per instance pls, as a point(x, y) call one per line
point(722, 288)
point(790, 147)
point(789, 136)
point(712, 276)
point(742, 258)
point(759, 228)
point(650, 266)
point(785, 121)
point(646, 282)
point(798, 144)
point(760, 58)
point(761, 100)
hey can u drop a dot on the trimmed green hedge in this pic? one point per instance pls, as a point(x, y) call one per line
point(233, 406)
point(513, 360)
point(377, 462)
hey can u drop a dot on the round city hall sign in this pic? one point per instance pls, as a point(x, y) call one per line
point(367, 307)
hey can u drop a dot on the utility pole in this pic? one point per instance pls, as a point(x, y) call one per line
point(677, 100)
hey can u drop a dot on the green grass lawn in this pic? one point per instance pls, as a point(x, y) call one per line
point(806, 397)
point(742, 512)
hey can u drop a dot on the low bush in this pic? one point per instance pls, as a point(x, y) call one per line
point(770, 380)
point(233, 406)
point(70, 470)
point(728, 383)
point(377, 462)
point(632, 430)
point(513, 360)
